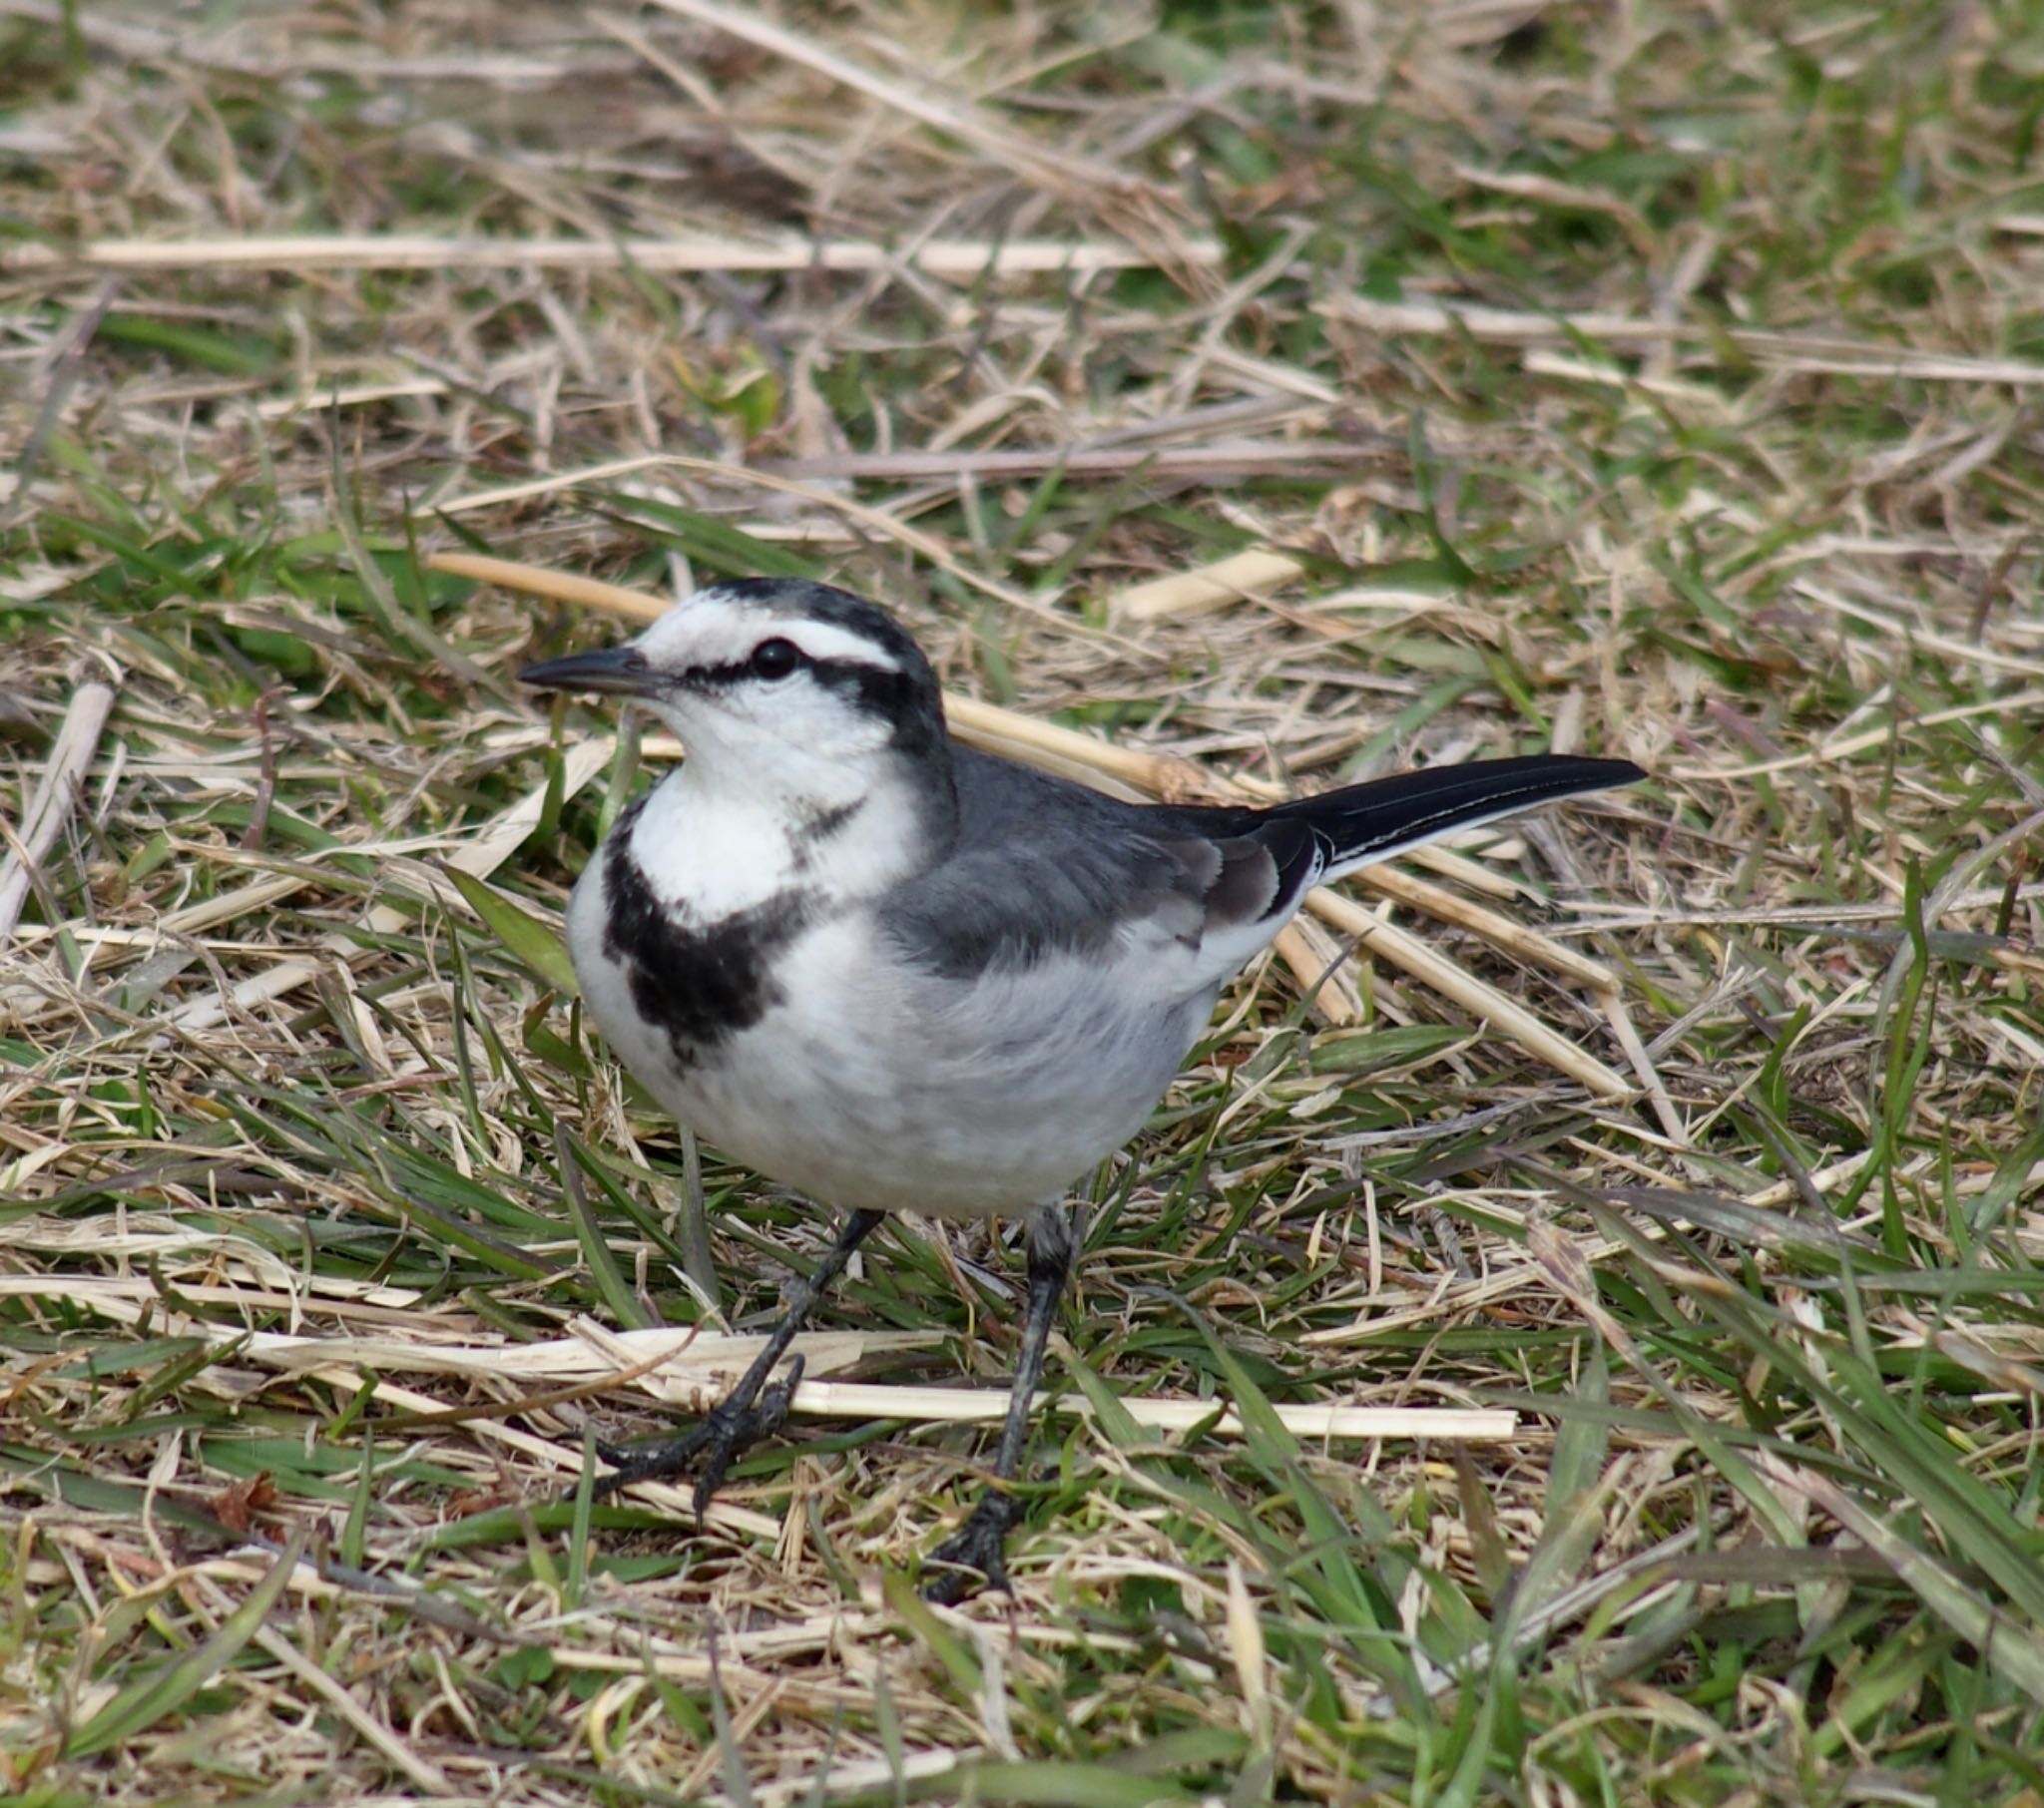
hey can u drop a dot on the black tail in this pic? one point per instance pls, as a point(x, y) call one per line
point(1386, 816)
point(1365, 822)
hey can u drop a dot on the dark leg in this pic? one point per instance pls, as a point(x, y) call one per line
point(976, 1546)
point(743, 1417)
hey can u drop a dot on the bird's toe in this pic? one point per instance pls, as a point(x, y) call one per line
point(975, 1556)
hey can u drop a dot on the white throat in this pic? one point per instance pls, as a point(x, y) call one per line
point(712, 842)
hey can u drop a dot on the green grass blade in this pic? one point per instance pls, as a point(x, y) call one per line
point(160, 1693)
point(543, 953)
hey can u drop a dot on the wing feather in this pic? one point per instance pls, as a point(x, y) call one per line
point(1042, 867)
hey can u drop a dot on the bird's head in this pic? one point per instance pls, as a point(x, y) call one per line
point(770, 678)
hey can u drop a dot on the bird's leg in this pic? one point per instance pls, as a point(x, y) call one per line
point(974, 1551)
point(743, 1416)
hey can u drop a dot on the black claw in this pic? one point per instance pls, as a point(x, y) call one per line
point(659, 1463)
point(733, 1430)
point(975, 1552)
point(708, 1450)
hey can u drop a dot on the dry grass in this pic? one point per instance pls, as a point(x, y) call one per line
point(1653, 381)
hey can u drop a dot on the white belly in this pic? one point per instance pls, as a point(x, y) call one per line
point(870, 1086)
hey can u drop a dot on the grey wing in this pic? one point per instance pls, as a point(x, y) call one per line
point(1043, 867)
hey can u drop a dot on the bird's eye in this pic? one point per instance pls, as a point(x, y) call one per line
point(776, 659)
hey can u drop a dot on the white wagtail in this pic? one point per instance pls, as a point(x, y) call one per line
point(901, 975)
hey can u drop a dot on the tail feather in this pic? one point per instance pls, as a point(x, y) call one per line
point(1387, 816)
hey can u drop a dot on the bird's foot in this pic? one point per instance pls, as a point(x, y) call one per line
point(974, 1553)
point(709, 1449)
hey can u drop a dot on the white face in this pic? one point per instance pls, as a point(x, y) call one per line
point(774, 685)
point(817, 756)
point(734, 680)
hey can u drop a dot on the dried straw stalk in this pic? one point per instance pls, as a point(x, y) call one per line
point(691, 1370)
point(960, 260)
point(56, 796)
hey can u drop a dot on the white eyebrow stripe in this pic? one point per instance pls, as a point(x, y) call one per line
point(826, 640)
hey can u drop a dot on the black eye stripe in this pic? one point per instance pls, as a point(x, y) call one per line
point(855, 676)
point(881, 675)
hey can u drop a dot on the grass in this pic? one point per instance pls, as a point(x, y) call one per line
point(1649, 381)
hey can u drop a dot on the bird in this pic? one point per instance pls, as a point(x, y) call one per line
point(894, 973)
